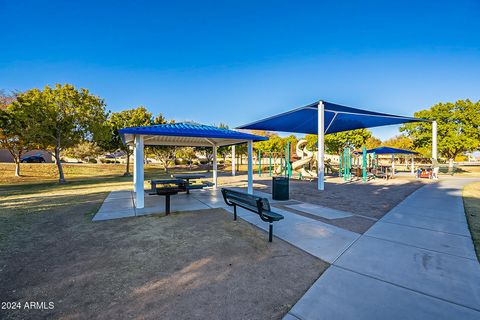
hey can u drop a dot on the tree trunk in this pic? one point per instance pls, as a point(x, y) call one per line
point(127, 169)
point(165, 165)
point(17, 167)
point(450, 165)
point(61, 176)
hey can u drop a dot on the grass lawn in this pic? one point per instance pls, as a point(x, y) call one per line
point(188, 265)
point(471, 200)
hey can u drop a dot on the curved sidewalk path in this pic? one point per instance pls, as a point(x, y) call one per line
point(417, 262)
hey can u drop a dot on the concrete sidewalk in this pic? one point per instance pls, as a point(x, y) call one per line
point(417, 262)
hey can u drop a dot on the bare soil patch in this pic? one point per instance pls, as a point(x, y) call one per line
point(372, 199)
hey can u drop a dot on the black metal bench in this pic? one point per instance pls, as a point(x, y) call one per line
point(252, 203)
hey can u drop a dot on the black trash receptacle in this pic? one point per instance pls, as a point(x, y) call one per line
point(280, 189)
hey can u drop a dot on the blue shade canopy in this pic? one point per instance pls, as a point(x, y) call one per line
point(388, 150)
point(187, 134)
point(337, 118)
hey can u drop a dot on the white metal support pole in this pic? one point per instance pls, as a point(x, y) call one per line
point(434, 140)
point(413, 164)
point(250, 167)
point(139, 177)
point(215, 167)
point(233, 161)
point(134, 168)
point(321, 146)
point(393, 165)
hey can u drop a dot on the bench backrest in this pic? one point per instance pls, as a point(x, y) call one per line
point(246, 199)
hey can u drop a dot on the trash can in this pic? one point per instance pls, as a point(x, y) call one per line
point(280, 189)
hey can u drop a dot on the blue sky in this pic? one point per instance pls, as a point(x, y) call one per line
point(237, 61)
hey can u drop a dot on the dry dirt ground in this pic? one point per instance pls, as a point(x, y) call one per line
point(189, 265)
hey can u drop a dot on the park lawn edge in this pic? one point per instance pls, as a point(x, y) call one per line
point(471, 202)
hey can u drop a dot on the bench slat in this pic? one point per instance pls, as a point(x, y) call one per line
point(249, 202)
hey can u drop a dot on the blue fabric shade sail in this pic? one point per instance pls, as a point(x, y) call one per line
point(337, 118)
point(388, 150)
point(187, 134)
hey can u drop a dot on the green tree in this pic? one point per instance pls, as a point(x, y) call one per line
point(458, 129)
point(127, 118)
point(60, 117)
point(13, 134)
point(373, 143)
point(336, 141)
point(164, 154)
point(225, 150)
point(400, 142)
point(186, 153)
point(84, 151)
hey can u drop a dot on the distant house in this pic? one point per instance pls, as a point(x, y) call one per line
point(5, 156)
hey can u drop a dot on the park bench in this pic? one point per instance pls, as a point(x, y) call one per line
point(252, 203)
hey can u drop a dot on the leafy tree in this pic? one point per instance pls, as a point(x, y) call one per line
point(373, 143)
point(164, 154)
point(60, 117)
point(336, 141)
point(275, 143)
point(13, 134)
point(312, 140)
point(186, 153)
point(458, 129)
point(127, 118)
point(400, 142)
point(84, 151)
point(208, 151)
point(225, 150)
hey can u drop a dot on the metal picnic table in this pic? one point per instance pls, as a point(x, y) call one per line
point(187, 178)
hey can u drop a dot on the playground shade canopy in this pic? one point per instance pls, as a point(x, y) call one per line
point(187, 134)
point(337, 118)
point(388, 150)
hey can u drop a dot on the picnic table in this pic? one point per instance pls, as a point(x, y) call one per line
point(386, 172)
point(188, 177)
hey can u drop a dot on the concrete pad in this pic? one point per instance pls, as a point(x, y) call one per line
point(116, 214)
point(118, 204)
point(454, 227)
point(210, 200)
point(448, 277)
point(120, 194)
point(180, 202)
point(432, 240)
point(288, 316)
point(432, 212)
point(321, 240)
point(342, 294)
point(320, 211)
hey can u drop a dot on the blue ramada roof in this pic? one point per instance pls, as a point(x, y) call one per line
point(388, 150)
point(190, 130)
point(337, 118)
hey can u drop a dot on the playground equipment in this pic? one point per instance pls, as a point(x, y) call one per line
point(352, 164)
point(307, 160)
point(278, 162)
